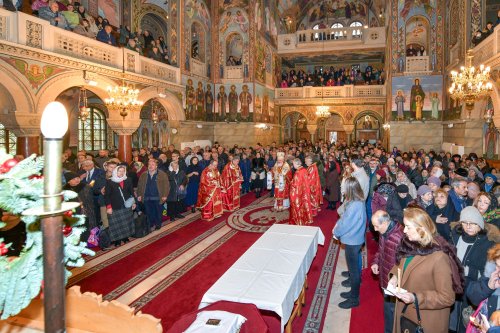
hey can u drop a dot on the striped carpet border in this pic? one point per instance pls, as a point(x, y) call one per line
point(319, 301)
point(167, 282)
point(162, 262)
point(74, 279)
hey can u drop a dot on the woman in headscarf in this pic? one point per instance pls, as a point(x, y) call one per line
point(119, 205)
point(384, 198)
point(402, 178)
point(177, 179)
point(193, 173)
point(487, 205)
point(85, 198)
point(443, 212)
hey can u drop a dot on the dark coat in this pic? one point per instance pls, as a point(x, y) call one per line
point(176, 180)
point(112, 196)
point(332, 185)
point(477, 291)
point(386, 254)
point(161, 182)
point(415, 177)
point(448, 211)
point(391, 206)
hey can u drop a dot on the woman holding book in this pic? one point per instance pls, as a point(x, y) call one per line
point(428, 271)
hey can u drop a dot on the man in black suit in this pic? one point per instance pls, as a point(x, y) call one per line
point(96, 178)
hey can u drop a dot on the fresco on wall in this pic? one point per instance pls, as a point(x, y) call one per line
point(110, 9)
point(266, 18)
point(196, 37)
point(260, 61)
point(160, 3)
point(234, 50)
point(265, 111)
point(417, 94)
point(228, 4)
point(234, 19)
point(196, 9)
point(335, 9)
point(233, 103)
point(416, 33)
point(406, 6)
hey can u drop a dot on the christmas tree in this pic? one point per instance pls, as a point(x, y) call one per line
point(21, 278)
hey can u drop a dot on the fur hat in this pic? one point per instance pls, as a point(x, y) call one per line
point(402, 188)
point(472, 215)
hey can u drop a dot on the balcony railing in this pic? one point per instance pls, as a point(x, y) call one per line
point(24, 29)
point(488, 50)
point(315, 40)
point(417, 64)
point(234, 72)
point(347, 91)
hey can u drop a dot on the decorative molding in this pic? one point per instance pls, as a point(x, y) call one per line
point(6, 48)
point(332, 101)
point(34, 33)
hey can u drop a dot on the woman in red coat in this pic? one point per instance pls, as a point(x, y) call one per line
point(300, 196)
point(209, 194)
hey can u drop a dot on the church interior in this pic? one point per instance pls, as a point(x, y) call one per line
point(187, 73)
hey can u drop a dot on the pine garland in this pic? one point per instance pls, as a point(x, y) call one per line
point(21, 277)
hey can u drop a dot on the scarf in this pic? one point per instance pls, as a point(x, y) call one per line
point(407, 248)
point(114, 176)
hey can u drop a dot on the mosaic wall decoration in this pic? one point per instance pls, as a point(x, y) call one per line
point(234, 103)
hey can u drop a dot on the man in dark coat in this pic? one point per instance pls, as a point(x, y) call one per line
point(391, 234)
point(414, 175)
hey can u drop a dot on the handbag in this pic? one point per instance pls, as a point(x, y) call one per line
point(409, 326)
point(93, 239)
point(129, 202)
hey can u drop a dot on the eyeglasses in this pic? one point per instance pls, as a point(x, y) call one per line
point(468, 224)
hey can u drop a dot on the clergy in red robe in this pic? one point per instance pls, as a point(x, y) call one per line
point(300, 196)
point(209, 193)
point(231, 180)
point(282, 177)
point(315, 185)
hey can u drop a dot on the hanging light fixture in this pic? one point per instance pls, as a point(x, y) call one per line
point(322, 111)
point(470, 84)
point(124, 98)
point(83, 108)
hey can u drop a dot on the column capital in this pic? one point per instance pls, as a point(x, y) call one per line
point(125, 126)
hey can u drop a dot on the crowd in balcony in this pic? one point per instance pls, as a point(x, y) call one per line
point(481, 35)
point(72, 16)
point(332, 77)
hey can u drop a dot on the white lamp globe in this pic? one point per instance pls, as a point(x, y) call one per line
point(54, 123)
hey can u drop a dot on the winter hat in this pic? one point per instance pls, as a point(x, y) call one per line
point(492, 176)
point(434, 180)
point(381, 173)
point(402, 188)
point(472, 215)
point(462, 172)
point(423, 189)
point(70, 175)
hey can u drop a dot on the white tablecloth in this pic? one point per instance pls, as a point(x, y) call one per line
point(271, 273)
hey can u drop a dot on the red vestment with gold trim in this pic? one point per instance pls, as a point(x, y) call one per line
point(231, 180)
point(300, 198)
point(316, 190)
point(209, 195)
point(282, 176)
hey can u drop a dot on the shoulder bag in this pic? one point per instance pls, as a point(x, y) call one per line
point(409, 326)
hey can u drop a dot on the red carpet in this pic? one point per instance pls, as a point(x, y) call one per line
point(181, 291)
point(371, 299)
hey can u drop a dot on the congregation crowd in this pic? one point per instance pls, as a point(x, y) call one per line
point(330, 77)
point(481, 35)
point(73, 16)
point(435, 215)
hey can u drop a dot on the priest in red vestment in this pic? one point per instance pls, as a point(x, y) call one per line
point(231, 180)
point(209, 193)
point(315, 185)
point(282, 177)
point(300, 196)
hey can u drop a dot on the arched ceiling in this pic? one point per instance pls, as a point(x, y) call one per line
point(295, 10)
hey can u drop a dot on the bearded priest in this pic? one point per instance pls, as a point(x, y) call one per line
point(282, 177)
point(231, 180)
point(209, 194)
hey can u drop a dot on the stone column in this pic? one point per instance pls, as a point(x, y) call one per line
point(312, 130)
point(349, 130)
point(27, 145)
point(27, 131)
point(124, 128)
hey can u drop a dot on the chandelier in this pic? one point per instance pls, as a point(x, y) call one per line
point(124, 99)
point(323, 111)
point(83, 108)
point(470, 84)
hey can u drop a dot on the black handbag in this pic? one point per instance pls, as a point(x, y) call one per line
point(409, 326)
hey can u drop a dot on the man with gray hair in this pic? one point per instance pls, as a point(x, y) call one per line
point(458, 193)
point(391, 234)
